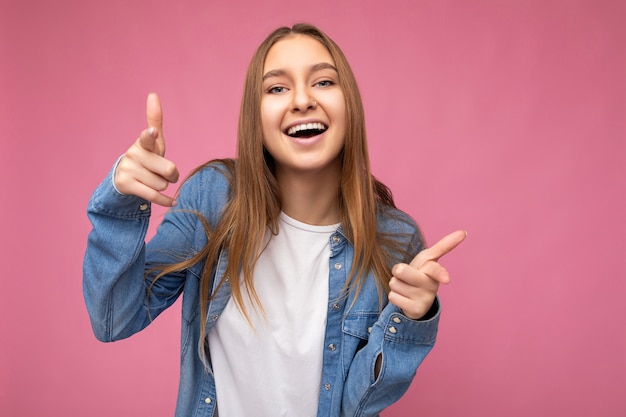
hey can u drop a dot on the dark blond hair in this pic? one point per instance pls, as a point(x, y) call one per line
point(254, 205)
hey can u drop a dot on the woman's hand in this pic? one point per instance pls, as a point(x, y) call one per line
point(143, 170)
point(414, 286)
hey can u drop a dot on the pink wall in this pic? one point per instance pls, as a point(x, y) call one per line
point(507, 118)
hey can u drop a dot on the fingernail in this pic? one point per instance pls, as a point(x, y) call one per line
point(151, 131)
point(174, 203)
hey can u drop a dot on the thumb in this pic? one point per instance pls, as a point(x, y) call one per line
point(152, 139)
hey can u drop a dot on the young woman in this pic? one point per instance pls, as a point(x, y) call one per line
point(301, 296)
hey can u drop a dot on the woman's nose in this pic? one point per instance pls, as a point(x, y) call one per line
point(303, 101)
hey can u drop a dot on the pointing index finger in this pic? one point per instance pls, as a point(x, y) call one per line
point(154, 113)
point(152, 138)
point(445, 245)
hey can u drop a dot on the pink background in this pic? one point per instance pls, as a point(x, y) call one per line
point(507, 118)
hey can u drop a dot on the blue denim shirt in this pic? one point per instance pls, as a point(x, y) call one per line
point(115, 289)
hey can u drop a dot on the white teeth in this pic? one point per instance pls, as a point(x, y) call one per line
point(305, 126)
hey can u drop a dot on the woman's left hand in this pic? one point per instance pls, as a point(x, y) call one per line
point(413, 286)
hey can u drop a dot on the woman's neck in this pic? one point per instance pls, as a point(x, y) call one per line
point(311, 198)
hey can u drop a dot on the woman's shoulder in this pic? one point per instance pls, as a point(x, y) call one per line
point(208, 185)
point(215, 174)
point(395, 225)
point(393, 220)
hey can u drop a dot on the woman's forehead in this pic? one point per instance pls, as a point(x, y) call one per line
point(295, 51)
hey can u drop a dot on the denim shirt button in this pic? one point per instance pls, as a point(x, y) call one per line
point(143, 207)
point(369, 330)
point(336, 239)
point(337, 265)
point(393, 330)
point(327, 386)
point(397, 320)
point(207, 400)
point(214, 317)
point(336, 306)
point(332, 347)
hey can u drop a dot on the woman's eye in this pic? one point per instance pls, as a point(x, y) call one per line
point(325, 83)
point(276, 90)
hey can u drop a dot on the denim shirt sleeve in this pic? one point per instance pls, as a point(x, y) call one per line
point(402, 344)
point(119, 297)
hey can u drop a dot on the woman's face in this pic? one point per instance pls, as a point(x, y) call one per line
point(303, 107)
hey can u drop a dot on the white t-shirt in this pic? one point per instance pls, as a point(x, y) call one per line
point(275, 368)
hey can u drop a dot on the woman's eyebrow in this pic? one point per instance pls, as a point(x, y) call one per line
point(314, 68)
point(323, 66)
point(273, 73)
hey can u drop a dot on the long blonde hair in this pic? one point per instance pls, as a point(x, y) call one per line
point(254, 205)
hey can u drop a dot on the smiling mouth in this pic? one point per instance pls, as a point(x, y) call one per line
point(306, 130)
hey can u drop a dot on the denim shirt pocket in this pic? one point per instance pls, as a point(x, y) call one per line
point(356, 328)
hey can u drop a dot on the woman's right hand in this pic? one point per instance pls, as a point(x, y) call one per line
point(143, 170)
